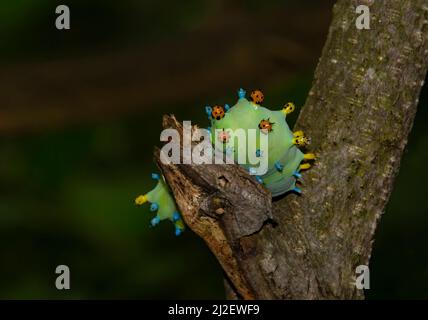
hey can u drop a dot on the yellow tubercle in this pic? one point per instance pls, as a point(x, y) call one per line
point(309, 156)
point(305, 166)
point(180, 224)
point(288, 108)
point(141, 200)
point(298, 134)
point(301, 141)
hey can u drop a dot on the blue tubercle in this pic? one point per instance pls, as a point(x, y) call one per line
point(154, 206)
point(226, 107)
point(155, 176)
point(259, 179)
point(208, 111)
point(155, 221)
point(279, 166)
point(259, 153)
point(297, 190)
point(178, 231)
point(176, 216)
point(252, 171)
point(241, 93)
point(297, 175)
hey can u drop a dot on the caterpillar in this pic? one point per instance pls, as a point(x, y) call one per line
point(284, 158)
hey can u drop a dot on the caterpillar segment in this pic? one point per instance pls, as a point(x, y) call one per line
point(284, 157)
point(163, 204)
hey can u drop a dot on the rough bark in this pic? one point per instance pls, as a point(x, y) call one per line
point(359, 113)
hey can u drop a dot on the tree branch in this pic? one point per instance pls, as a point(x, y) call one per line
point(359, 113)
point(224, 206)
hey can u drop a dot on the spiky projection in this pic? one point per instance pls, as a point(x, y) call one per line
point(162, 202)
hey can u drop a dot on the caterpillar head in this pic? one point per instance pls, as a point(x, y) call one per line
point(257, 97)
point(218, 112)
point(266, 126)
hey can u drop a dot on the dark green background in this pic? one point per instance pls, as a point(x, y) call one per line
point(66, 194)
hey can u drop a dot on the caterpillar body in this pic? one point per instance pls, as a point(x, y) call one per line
point(283, 154)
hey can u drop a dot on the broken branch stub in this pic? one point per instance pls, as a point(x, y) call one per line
point(221, 203)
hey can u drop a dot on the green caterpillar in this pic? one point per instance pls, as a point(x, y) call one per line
point(283, 155)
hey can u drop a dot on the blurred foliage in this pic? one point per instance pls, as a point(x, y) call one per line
point(28, 26)
point(66, 196)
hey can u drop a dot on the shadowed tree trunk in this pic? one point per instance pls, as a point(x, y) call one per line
point(359, 113)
